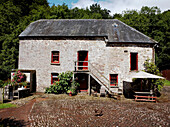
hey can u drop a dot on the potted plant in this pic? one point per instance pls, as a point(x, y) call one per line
point(18, 78)
point(69, 92)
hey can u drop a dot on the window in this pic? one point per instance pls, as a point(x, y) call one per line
point(54, 77)
point(133, 61)
point(55, 57)
point(113, 79)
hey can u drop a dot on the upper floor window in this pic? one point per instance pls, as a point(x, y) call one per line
point(113, 79)
point(133, 61)
point(55, 57)
point(54, 77)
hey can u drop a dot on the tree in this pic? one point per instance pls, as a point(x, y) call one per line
point(15, 16)
point(10, 16)
point(60, 12)
point(163, 37)
point(96, 10)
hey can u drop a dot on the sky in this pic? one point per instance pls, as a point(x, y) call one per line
point(115, 6)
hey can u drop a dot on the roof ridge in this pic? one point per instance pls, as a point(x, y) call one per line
point(76, 19)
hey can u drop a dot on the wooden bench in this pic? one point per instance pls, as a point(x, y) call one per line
point(145, 98)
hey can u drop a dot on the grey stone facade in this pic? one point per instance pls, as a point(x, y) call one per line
point(109, 43)
point(35, 54)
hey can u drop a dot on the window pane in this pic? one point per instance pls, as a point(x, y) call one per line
point(55, 57)
point(54, 78)
point(113, 79)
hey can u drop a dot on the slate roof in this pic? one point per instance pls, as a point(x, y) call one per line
point(113, 29)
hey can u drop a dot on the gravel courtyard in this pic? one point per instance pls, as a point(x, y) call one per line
point(62, 110)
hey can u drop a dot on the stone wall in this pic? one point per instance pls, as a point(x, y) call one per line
point(36, 55)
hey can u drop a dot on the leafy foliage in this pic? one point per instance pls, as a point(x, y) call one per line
point(1, 83)
point(150, 67)
point(153, 69)
point(64, 84)
point(74, 86)
point(4, 83)
point(167, 83)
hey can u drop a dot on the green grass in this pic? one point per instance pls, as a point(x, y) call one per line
point(7, 105)
point(167, 83)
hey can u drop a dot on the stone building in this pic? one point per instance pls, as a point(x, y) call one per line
point(101, 53)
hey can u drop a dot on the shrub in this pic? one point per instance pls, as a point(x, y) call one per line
point(55, 88)
point(73, 87)
point(64, 84)
point(157, 84)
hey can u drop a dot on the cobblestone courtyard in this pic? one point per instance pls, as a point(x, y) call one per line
point(62, 110)
point(73, 112)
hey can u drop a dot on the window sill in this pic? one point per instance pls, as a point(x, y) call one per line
point(55, 63)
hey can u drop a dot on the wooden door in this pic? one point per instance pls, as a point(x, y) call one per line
point(83, 80)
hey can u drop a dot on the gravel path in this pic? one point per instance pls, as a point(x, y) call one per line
point(16, 117)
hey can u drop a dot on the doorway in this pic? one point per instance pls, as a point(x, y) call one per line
point(82, 79)
point(82, 60)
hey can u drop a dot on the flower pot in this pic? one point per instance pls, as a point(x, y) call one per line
point(70, 94)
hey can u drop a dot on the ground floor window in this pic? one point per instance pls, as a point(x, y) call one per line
point(54, 77)
point(113, 79)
